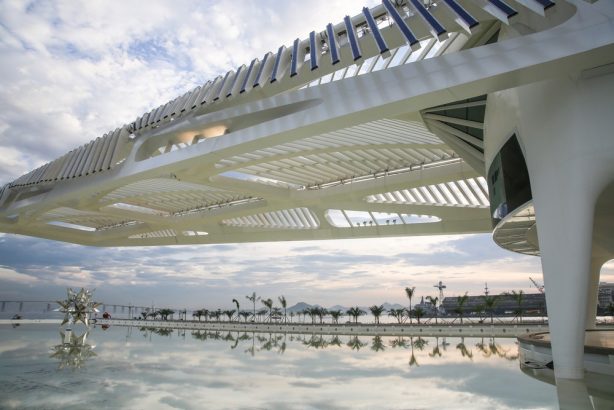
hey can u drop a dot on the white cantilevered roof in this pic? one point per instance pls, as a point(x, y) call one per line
point(316, 140)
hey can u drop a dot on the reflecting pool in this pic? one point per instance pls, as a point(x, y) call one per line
point(122, 367)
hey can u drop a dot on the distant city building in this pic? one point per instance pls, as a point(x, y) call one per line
point(606, 294)
point(531, 303)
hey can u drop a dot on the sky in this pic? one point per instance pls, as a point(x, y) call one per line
point(71, 71)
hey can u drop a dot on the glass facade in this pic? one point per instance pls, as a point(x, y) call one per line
point(508, 181)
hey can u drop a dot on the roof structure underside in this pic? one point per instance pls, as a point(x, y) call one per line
point(304, 143)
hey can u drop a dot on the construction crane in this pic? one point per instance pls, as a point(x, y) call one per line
point(540, 288)
point(441, 287)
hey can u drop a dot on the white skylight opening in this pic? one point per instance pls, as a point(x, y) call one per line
point(72, 226)
point(360, 219)
point(194, 233)
point(138, 208)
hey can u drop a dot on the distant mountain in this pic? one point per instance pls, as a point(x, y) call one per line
point(389, 306)
point(300, 306)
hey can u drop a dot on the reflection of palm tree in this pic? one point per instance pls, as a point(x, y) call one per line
point(482, 347)
point(199, 335)
point(377, 344)
point(412, 358)
point(463, 349)
point(377, 311)
point(419, 343)
point(436, 352)
point(398, 342)
point(335, 341)
point(317, 342)
point(355, 343)
point(410, 294)
point(252, 350)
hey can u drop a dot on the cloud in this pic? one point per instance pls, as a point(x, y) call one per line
point(9, 275)
point(73, 71)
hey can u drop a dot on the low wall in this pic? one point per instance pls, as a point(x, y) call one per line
point(472, 330)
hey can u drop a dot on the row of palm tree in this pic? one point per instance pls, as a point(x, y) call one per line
point(270, 312)
point(162, 313)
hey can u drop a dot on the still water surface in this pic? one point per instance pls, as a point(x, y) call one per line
point(142, 368)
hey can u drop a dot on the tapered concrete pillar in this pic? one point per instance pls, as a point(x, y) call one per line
point(566, 129)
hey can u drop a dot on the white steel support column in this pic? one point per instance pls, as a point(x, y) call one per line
point(566, 128)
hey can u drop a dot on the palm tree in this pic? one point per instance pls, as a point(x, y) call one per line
point(355, 312)
point(410, 294)
point(398, 314)
point(198, 313)
point(253, 299)
point(229, 314)
point(165, 313)
point(282, 301)
point(236, 302)
point(433, 301)
point(321, 313)
point(336, 314)
point(479, 310)
point(305, 312)
point(245, 315)
point(261, 313)
point(518, 296)
point(377, 311)
point(419, 313)
point(460, 306)
point(489, 305)
point(276, 313)
point(291, 316)
point(269, 305)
